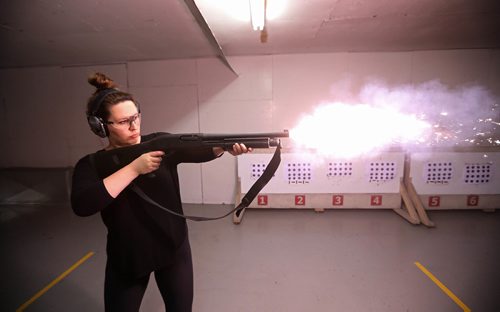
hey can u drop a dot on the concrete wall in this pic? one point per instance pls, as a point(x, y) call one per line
point(42, 110)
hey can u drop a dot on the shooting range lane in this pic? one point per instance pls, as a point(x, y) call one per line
point(277, 260)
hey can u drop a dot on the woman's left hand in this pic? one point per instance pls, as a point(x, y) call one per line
point(238, 149)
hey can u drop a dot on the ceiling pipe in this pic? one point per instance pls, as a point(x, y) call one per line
point(208, 32)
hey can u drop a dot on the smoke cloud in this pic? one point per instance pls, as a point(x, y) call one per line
point(430, 114)
point(461, 116)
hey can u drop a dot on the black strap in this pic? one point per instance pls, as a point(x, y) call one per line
point(245, 202)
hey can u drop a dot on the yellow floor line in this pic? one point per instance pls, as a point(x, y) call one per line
point(54, 282)
point(443, 288)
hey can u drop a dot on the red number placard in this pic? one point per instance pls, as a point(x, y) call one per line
point(472, 200)
point(262, 200)
point(300, 200)
point(434, 201)
point(338, 200)
point(376, 200)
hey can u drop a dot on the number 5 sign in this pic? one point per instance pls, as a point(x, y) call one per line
point(434, 201)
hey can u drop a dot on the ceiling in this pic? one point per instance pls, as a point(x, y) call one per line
point(68, 32)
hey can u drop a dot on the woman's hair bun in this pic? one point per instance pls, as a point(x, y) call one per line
point(101, 81)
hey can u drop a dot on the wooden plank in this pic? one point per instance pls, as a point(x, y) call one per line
point(409, 213)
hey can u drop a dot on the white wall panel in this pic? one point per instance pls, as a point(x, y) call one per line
point(387, 68)
point(168, 109)
point(218, 83)
point(453, 67)
point(31, 100)
point(237, 116)
point(212, 78)
point(162, 73)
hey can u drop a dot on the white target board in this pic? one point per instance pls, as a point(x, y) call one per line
point(456, 173)
point(310, 173)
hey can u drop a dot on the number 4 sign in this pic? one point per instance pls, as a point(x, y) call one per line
point(376, 200)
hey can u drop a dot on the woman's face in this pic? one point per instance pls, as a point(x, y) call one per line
point(124, 124)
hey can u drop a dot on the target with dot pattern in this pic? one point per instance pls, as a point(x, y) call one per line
point(339, 169)
point(382, 171)
point(477, 173)
point(438, 172)
point(258, 169)
point(299, 172)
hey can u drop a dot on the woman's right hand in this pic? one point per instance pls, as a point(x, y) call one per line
point(147, 162)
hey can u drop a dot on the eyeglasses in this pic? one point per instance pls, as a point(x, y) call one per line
point(127, 122)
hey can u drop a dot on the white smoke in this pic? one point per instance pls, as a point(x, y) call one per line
point(407, 116)
point(461, 116)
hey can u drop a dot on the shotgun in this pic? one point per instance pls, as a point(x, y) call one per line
point(108, 162)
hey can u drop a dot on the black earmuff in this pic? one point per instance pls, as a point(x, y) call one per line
point(96, 124)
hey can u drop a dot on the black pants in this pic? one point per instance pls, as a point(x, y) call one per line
point(174, 282)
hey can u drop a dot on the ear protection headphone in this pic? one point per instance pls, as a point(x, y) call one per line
point(96, 124)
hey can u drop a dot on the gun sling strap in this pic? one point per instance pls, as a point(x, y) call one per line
point(245, 202)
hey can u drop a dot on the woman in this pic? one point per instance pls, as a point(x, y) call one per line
point(141, 238)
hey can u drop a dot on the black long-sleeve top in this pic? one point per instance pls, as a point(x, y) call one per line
point(141, 237)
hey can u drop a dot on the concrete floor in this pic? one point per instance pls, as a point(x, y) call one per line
point(276, 260)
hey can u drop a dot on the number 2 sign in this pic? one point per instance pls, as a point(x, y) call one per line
point(300, 200)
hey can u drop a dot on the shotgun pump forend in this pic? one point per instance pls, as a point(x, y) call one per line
point(226, 141)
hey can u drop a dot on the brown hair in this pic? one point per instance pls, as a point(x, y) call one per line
point(102, 82)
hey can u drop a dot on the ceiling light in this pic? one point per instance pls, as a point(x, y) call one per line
point(258, 14)
point(240, 9)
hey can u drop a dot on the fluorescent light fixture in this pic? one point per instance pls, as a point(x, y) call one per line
point(240, 9)
point(258, 14)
